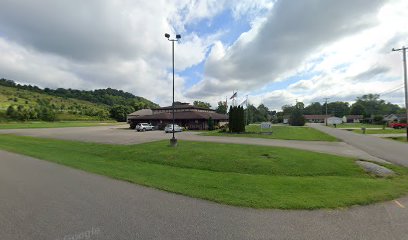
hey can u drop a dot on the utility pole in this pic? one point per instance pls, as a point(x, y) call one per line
point(326, 110)
point(404, 59)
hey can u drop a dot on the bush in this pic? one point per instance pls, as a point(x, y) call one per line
point(378, 119)
point(210, 124)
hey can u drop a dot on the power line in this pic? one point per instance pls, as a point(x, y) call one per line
point(391, 90)
point(383, 94)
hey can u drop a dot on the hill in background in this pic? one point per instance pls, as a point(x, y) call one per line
point(26, 102)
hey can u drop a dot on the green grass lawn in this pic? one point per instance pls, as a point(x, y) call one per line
point(15, 125)
point(399, 139)
point(241, 175)
point(380, 131)
point(357, 125)
point(278, 132)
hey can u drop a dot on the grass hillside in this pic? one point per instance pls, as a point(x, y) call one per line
point(33, 103)
point(66, 108)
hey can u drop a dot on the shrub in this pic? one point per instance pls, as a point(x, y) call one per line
point(236, 119)
point(210, 124)
point(378, 119)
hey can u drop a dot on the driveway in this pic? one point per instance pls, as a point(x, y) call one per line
point(123, 135)
point(392, 151)
point(43, 200)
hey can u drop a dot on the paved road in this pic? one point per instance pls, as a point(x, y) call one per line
point(392, 151)
point(122, 135)
point(43, 200)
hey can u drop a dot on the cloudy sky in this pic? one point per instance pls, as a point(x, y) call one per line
point(275, 51)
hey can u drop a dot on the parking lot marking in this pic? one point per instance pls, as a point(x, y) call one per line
point(399, 204)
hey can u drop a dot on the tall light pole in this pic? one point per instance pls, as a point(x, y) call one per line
point(173, 140)
point(404, 59)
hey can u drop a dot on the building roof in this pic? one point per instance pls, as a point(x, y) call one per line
point(394, 115)
point(354, 117)
point(178, 105)
point(322, 117)
point(141, 112)
point(186, 115)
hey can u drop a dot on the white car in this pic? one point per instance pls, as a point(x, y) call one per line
point(169, 128)
point(144, 127)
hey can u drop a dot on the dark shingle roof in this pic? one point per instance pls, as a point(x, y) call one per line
point(190, 115)
point(354, 117)
point(182, 106)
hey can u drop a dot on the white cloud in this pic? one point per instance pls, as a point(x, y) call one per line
point(337, 49)
point(343, 48)
point(96, 44)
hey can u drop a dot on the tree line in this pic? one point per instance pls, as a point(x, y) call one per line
point(369, 106)
point(112, 103)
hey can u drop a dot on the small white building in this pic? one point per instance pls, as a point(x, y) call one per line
point(334, 120)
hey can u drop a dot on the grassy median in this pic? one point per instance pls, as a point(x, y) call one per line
point(241, 175)
point(278, 132)
point(380, 131)
point(399, 139)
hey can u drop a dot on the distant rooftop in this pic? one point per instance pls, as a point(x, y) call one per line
point(181, 105)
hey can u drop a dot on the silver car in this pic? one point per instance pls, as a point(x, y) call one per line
point(144, 127)
point(169, 128)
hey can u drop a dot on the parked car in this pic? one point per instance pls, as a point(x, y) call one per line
point(169, 128)
point(144, 127)
point(398, 125)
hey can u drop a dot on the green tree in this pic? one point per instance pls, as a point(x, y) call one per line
point(202, 104)
point(357, 109)
point(300, 105)
point(221, 108)
point(287, 109)
point(372, 104)
point(378, 119)
point(262, 114)
point(119, 113)
point(250, 112)
point(47, 114)
point(296, 118)
point(338, 109)
point(314, 108)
